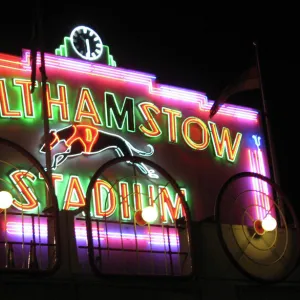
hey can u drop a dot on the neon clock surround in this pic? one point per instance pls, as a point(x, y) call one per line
point(86, 43)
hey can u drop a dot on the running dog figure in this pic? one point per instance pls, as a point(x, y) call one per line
point(88, 140)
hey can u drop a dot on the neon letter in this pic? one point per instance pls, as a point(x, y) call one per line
point(61, 101)
point(26, 96)
point(86, 100)
point(146, 108)
point(26, 192)
point(186, 133)
point(104, 205)
point(5, 111)
point(124, 199)
point(224, 144)
point(172, 122)
point(74, 197)
point(126, 113)
point(138, 201)
point(168, 207)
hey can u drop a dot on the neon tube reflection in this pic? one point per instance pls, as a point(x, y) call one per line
point(154, 238)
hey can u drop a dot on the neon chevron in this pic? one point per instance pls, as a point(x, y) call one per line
point(115, 73)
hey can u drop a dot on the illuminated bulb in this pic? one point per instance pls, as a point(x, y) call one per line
point(269, 223)
point(6, 199)
point(150, 214)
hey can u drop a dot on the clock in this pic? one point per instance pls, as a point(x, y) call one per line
point(86, 43)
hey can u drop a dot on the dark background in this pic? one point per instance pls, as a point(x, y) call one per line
point(191, 45)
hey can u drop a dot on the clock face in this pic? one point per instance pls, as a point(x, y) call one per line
point(86, 43)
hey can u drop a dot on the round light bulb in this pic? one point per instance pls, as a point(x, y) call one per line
point(269, 223)
point(6, 200)
point(150, 214)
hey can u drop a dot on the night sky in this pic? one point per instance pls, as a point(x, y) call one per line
point(188, 45)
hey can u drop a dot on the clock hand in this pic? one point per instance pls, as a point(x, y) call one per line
point(88, 50)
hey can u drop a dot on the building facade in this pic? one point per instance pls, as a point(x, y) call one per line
point(112, 183)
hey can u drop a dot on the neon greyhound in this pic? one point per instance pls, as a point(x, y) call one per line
point(88, 140)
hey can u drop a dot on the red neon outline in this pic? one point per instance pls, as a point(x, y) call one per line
point(86, 134)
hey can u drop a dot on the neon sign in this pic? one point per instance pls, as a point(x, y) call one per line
point(98, 112)
point(226, 144)
point(106, 199)
point(104, 112)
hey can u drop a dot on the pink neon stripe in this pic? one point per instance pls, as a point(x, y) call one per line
point(260, 188)
point(57, 60)
point(17, 228)
point(257, 165)
point(256, 187)
point(106, 75)
point(140, 78)
point(254, 183)
point(264, 184)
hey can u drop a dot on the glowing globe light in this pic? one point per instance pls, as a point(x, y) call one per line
point(150, 214)
point(6, 199)
point(269, 223)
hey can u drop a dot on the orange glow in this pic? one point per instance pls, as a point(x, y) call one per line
point(86, 100)
point(74, 190)
point(4, 105)
point(61, 102)
point(186, 131)
point(102, 202)
point(146, 108)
